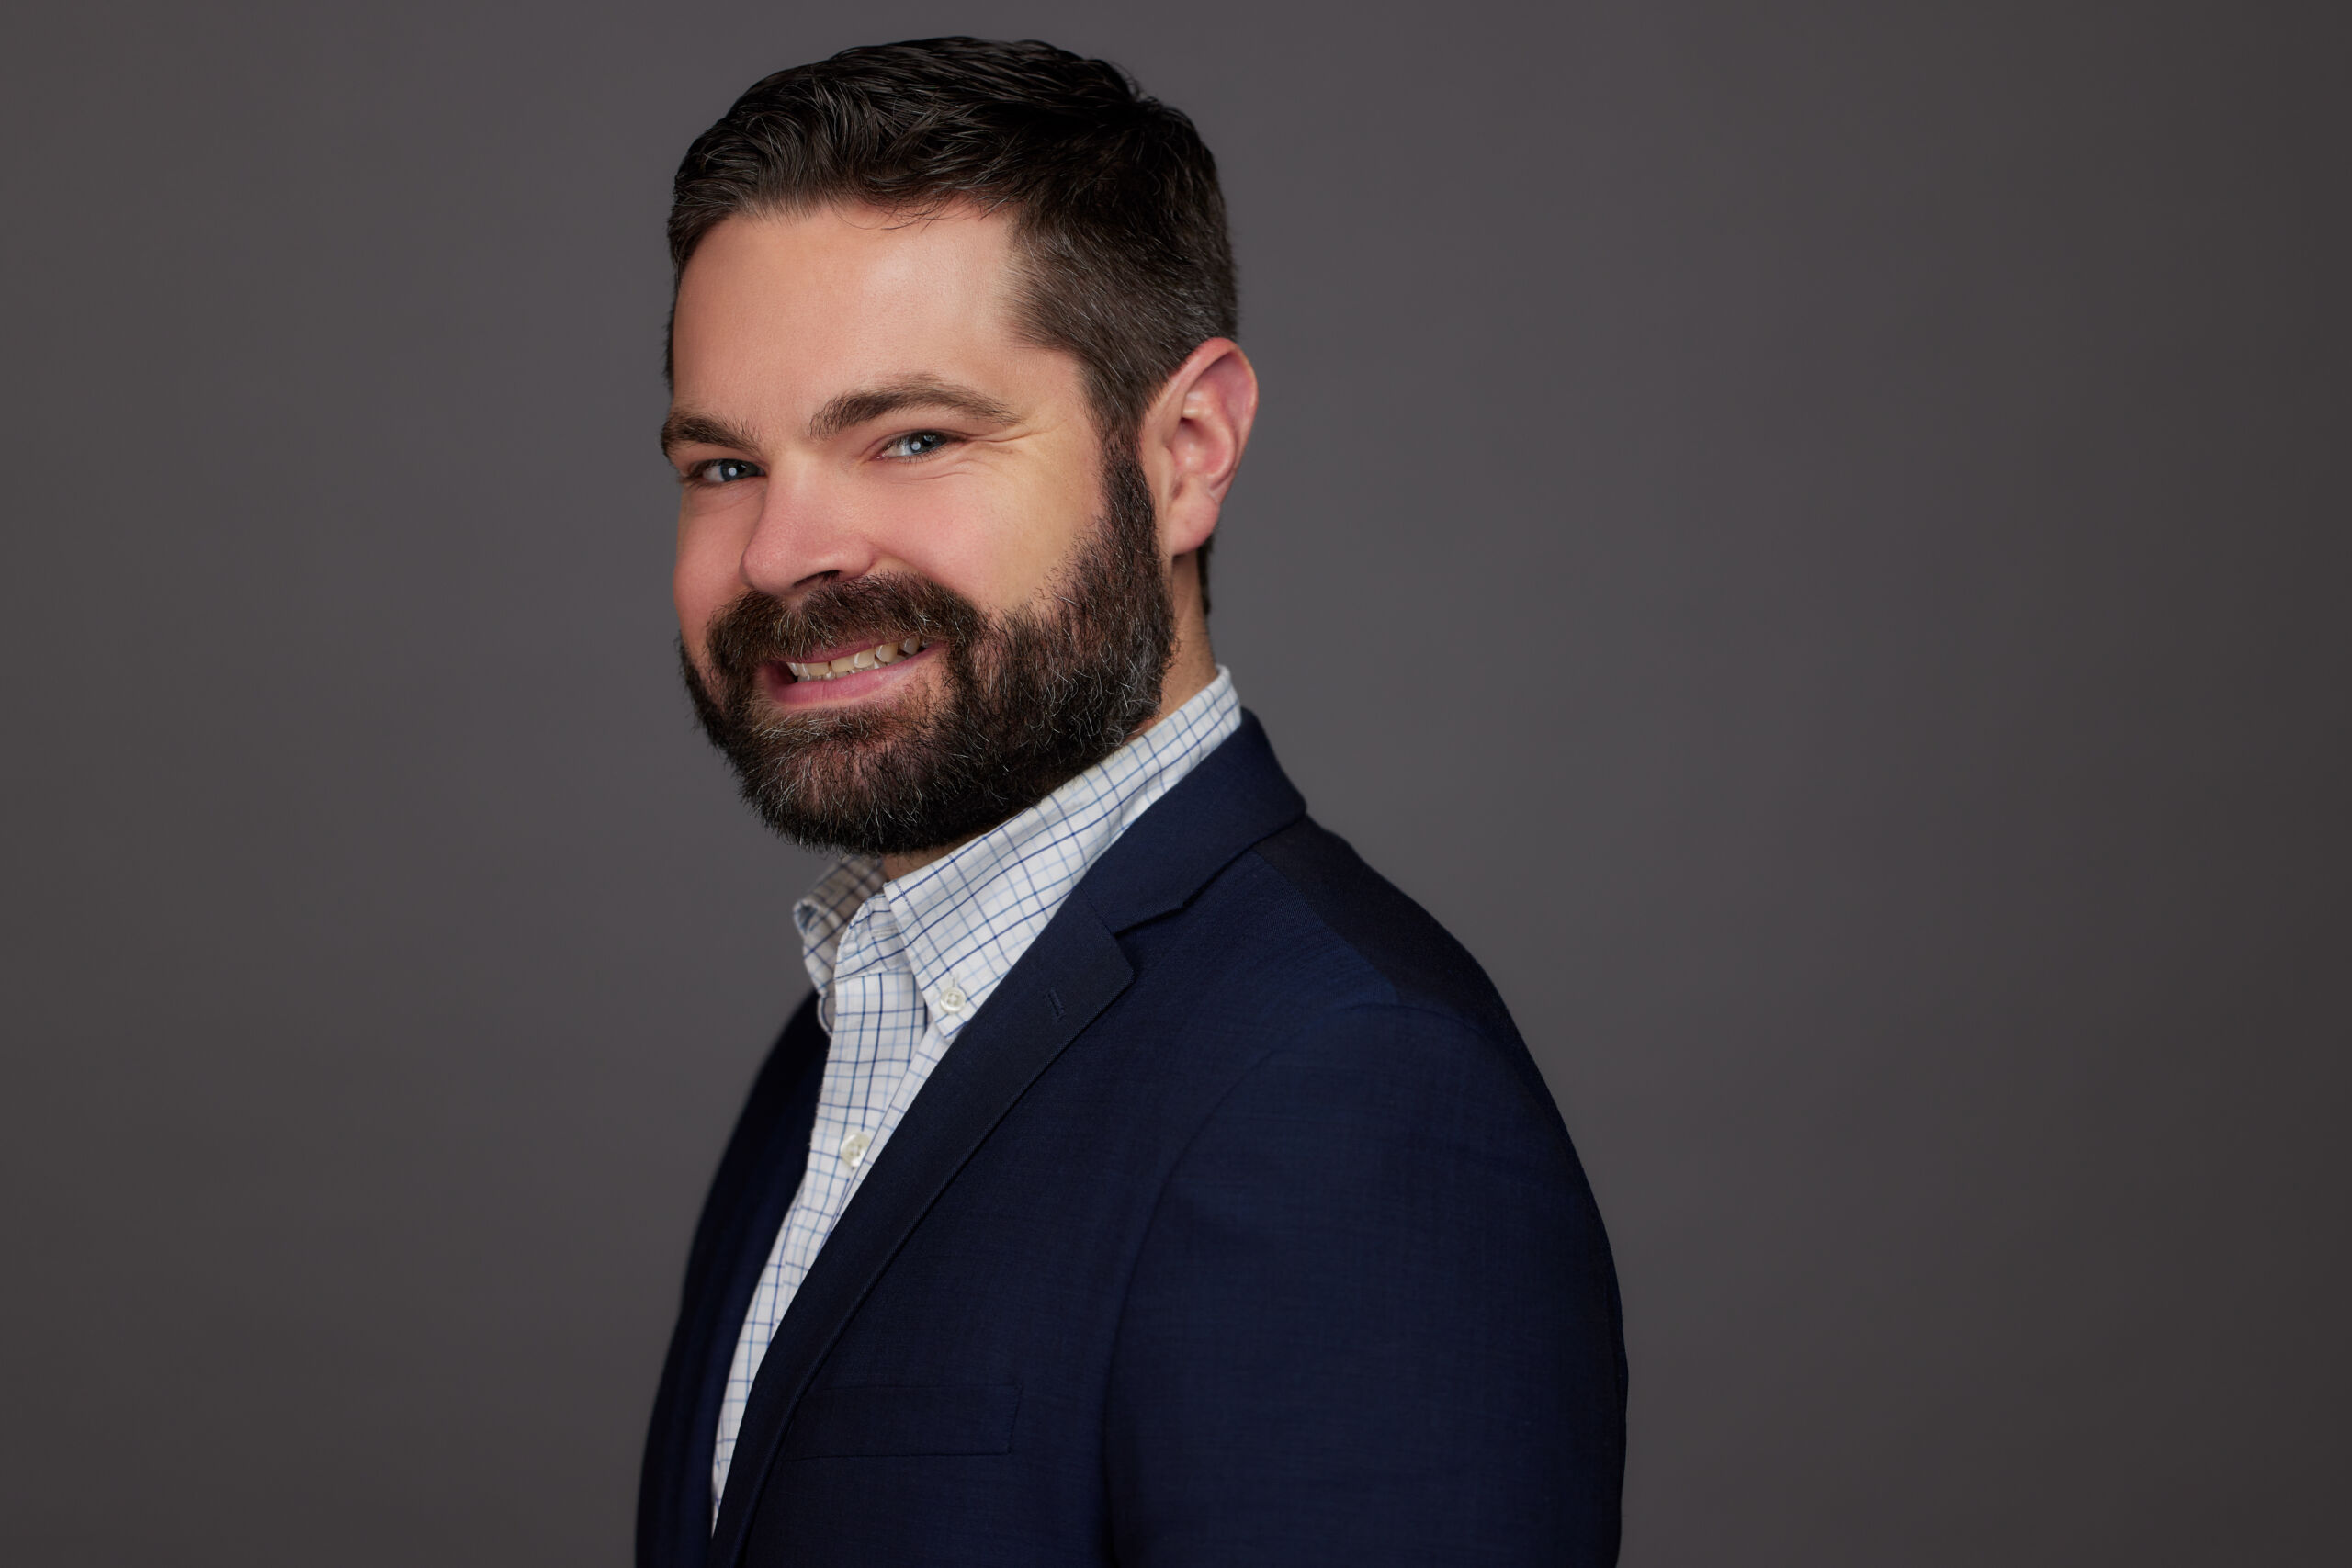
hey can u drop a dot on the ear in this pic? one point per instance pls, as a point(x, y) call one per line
point(1190, 441)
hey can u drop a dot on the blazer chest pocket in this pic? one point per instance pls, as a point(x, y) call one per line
point(877, 1419)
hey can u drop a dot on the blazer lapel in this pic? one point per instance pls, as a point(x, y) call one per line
point(1071, 972)
point(750, 1197)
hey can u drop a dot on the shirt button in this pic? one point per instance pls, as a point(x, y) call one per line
point(854, 1147)
point(951, 998)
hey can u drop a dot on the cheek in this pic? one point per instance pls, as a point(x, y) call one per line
point(706, 580)
point(999, 544)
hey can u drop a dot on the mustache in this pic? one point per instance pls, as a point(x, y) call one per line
point(759, 629)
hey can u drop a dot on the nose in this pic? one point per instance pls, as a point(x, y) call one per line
point(803, 538)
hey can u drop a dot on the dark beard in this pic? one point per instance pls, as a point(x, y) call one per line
point(1032, 697)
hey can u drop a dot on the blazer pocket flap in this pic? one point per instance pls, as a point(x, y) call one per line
point(847, 1421)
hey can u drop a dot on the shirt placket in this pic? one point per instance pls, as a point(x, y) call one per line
point(877, 1005)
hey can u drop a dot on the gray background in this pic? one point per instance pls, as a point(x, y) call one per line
point(1813, 535)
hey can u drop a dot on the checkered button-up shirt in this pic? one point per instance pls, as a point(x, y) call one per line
point(902, 966)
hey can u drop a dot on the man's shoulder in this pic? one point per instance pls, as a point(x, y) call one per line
point(1300, 998)
point(1417, 959)
point(1299, 927)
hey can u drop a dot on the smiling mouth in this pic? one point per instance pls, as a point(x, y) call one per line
point(875, 658)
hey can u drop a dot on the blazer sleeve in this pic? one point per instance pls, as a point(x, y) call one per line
point(1374, 1320)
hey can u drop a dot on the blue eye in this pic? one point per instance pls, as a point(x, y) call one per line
point(725, 470)
point(914, 444)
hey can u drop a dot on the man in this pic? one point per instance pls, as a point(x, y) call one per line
point(1147, 1181)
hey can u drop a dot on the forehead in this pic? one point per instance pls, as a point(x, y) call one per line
point(786, 312)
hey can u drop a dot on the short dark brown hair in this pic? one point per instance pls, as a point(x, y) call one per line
point(1119, 225)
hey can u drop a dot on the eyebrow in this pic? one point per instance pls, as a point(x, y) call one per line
point(682, 429)
point(852, 408)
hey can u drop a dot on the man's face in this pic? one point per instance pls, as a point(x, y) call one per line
point(913, 594)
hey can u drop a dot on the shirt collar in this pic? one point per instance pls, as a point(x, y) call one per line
point(969, 915)
point(825, 912)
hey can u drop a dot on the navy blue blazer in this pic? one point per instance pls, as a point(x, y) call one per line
point(1237, 1228)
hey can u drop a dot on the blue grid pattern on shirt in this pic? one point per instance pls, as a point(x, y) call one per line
point(900, 966)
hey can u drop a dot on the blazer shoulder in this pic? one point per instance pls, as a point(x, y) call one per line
point(1418, 959)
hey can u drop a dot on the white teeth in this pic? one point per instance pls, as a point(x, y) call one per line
point(867, 659)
